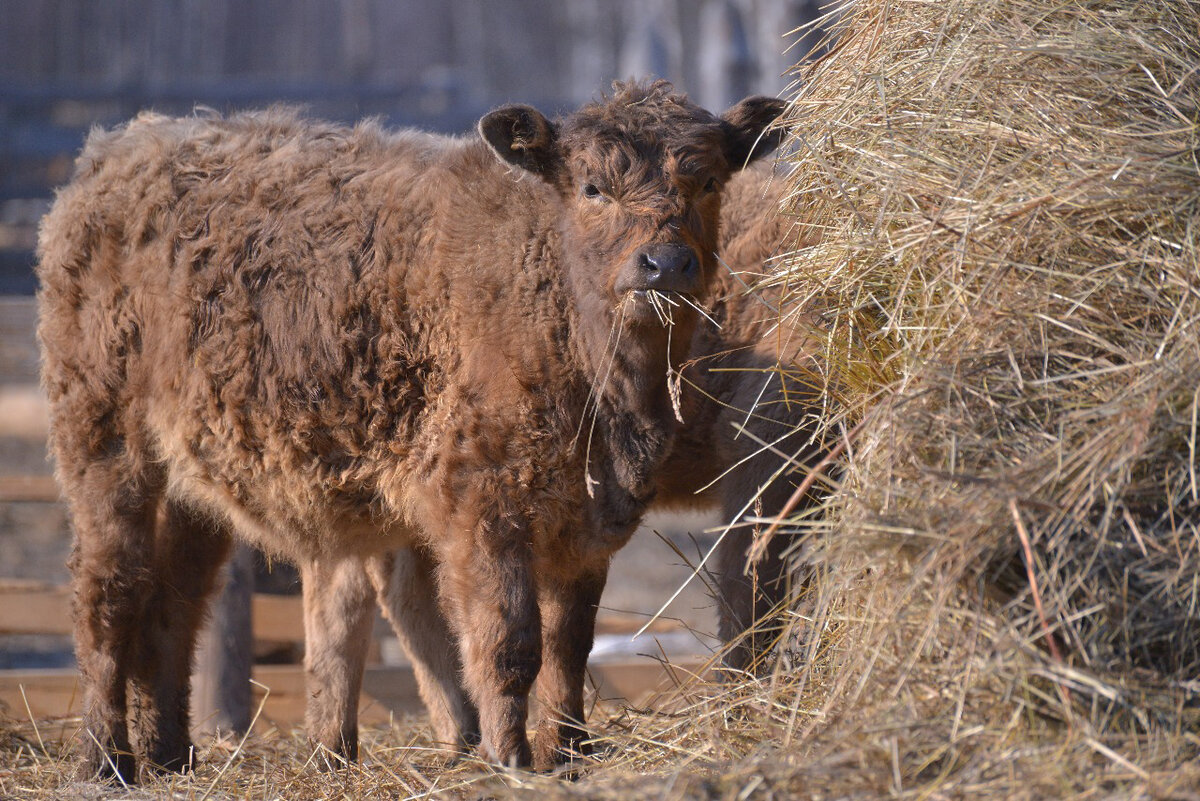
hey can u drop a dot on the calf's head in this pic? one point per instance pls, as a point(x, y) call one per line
point(639, 175)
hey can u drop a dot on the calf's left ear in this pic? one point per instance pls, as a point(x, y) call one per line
point(748, 132)
point(523, 137)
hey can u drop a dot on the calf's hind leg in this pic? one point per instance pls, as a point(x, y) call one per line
point(339, 602)
point(189, 549)
point(112, 514)
point(407, 592)
point(748, 594)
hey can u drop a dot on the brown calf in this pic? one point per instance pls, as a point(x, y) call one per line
point(752, 398)
point(337, 343)
point(750, 403)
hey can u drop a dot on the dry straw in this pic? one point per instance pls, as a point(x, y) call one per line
point(1004, 597)
point(1007, 198)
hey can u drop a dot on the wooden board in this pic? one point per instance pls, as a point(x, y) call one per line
point(30, 607)
point(279, 697)
point(278, 617)
point(18, 342)
point(33, 607)
point(28, 488)
point(278, 694)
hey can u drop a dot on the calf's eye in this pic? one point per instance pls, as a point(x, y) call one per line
point(592, 191)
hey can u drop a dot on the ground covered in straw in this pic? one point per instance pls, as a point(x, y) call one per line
point(1003, 594)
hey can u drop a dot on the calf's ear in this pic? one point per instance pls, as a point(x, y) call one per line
point(521, 136)
point(748, 130)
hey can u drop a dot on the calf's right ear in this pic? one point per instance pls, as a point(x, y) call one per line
point(521, 136)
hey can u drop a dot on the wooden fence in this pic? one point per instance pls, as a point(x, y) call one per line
point(278, 698)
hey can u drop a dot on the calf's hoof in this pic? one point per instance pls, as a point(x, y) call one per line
point(106, 765)
point(555, 746)
point(514, 754)
point(336, 757)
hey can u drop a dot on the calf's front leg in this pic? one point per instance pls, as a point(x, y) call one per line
point(339, 602)
point(489, 590)
point(568, 629)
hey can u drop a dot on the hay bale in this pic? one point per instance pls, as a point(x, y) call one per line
point(1007, 194)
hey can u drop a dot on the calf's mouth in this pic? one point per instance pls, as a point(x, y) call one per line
point(662, 267)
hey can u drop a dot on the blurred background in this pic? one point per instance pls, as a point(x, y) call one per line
point(66, 65)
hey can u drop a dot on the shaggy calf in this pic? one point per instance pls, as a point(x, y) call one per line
point(338, 343)
point(753, 394)
point(749, 403)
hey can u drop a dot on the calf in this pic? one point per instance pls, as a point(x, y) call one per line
point(750, 404)
point(337, 343)
point(753, 397)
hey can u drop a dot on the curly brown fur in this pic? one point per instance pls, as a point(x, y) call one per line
point(339, 342)
point(752, 399)
point(742, 388)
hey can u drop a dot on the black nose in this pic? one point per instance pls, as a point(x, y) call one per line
point(669, 267)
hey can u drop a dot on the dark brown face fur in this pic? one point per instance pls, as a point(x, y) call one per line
point(641, 186)
point(640, 176)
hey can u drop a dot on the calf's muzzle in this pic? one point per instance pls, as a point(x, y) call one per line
point(668, 267)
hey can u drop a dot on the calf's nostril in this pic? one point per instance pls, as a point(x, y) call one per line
point(669, 259)
point(667, 266)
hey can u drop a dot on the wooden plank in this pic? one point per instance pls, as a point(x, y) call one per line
point(40, 693)
point(43, 489)
point(24, 413)
point(278, 617)
point(609, 622)
point(37, 608)
point(30, 607)
point(279, 697)
point(281, 700)
point(18, 342)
